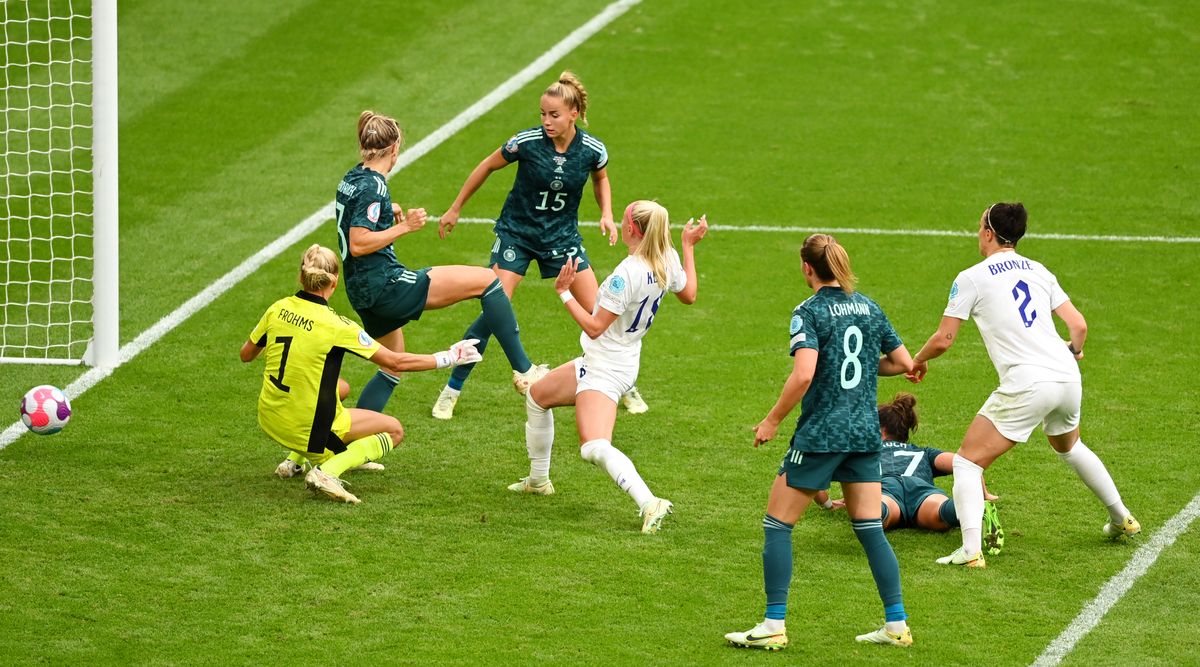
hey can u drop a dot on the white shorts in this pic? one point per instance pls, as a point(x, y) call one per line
point(611, 382)
point(1054, 405)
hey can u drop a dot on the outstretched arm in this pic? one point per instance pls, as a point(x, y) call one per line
point(937, 345)
point(479, 174)
point(895, 362)
point(692, 234)
point(804, 364)
point(462, 352)
point(592, 325)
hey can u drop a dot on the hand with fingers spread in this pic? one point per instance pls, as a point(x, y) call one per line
point(693, 232)
point(566, 275)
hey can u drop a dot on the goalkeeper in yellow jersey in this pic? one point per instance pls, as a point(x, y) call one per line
point(300, 402)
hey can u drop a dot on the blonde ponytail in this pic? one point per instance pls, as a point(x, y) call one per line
point(318, 268)
point(830, 261)
point(652, 221)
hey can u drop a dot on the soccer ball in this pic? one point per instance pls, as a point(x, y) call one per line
point(45, 409)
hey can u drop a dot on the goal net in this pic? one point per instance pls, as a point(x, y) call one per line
point(58, 181)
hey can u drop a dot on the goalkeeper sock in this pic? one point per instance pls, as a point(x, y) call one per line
point(376, 393)
point(499, 317)
point(370, 448)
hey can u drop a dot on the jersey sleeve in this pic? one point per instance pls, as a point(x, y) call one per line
point(259, 334)
point(352, 338)
point(802, 331)
point(614, 292)
point(601, 158)
point(962, 297)
point(510, 151)
point(889, 340)
point(676, 276)
point(1057, 296)
point(371, 205)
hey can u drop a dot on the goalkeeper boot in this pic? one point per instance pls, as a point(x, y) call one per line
point(633, 401)
point(523, 381)
point(882, 636)
point(524, 485)
point(1128, 527)
point(443, 408)
point(759, 637)
point(993, 532)
point(370, 466)
point(960, 557)
point(320, 482)
point(653, 514)
point(288, 469)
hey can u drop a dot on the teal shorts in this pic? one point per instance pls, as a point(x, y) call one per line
point(814, 470)
point(511, 254)
point(401, 301)
point(909, 493)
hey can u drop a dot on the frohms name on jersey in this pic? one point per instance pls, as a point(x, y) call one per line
point(347, 189)
point(295, 319)
point(1009, 264)
point(839, 309)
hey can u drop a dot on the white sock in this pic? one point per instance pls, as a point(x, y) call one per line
point(539, 439)
point(1091, 470)
point(451, 391)
point(968, 503)
point(773, 625)
point(895, 627)
point(619, 468)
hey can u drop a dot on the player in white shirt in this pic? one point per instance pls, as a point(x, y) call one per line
point(612, 343)
point(1011, 298)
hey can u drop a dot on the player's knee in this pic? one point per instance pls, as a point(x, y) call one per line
point(396, 430)
point(343, 389)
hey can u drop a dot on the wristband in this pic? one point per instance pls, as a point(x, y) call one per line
point(1071, 347)
point(443, 359)
point(828, 504)
point(566, 296)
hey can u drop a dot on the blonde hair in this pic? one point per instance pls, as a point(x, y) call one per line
point(652, 221)
point(829, 260)
point(318, 268)
point(570, 90)
point(376, 134)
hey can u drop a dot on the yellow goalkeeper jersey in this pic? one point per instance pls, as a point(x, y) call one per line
point(305, 342)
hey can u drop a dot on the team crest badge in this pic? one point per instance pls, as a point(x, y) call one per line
point(511, 144)
point(797, 323)
point(616, 285)
point(510, 255)
point(364, 339)
point(556, 185)
point(373, 212)
point(954, 290)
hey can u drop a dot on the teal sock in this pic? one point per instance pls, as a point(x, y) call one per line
point(377, 391)
point(777, 565)
point(884, 566)
point(499, 317)
point(949, 514)
point(479, 331)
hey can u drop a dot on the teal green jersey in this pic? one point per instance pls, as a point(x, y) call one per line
point(542, 209)
point(903, 459)
point(849, 332)
point(363, 201)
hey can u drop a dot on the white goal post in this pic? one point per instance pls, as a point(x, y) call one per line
point(58, 182)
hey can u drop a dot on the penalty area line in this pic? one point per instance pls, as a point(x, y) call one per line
point(1119, 585)
point(310, 224)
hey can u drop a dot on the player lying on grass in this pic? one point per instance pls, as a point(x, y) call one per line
point(910, 498)
point(612, 345)
point(300, 402)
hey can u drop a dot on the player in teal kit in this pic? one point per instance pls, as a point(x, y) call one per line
point(385, 293)
point(540, 218)
point(841, 341)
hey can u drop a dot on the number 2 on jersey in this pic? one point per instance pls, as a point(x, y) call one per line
point(1027, 318)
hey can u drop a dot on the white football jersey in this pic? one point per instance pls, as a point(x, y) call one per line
point(632, 293)
point(1011, 298)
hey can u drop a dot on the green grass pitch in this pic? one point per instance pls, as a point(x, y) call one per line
point(151, 531)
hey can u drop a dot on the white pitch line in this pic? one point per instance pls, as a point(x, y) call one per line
point(314, 221)
point(870, 231)
point(1119, 585)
